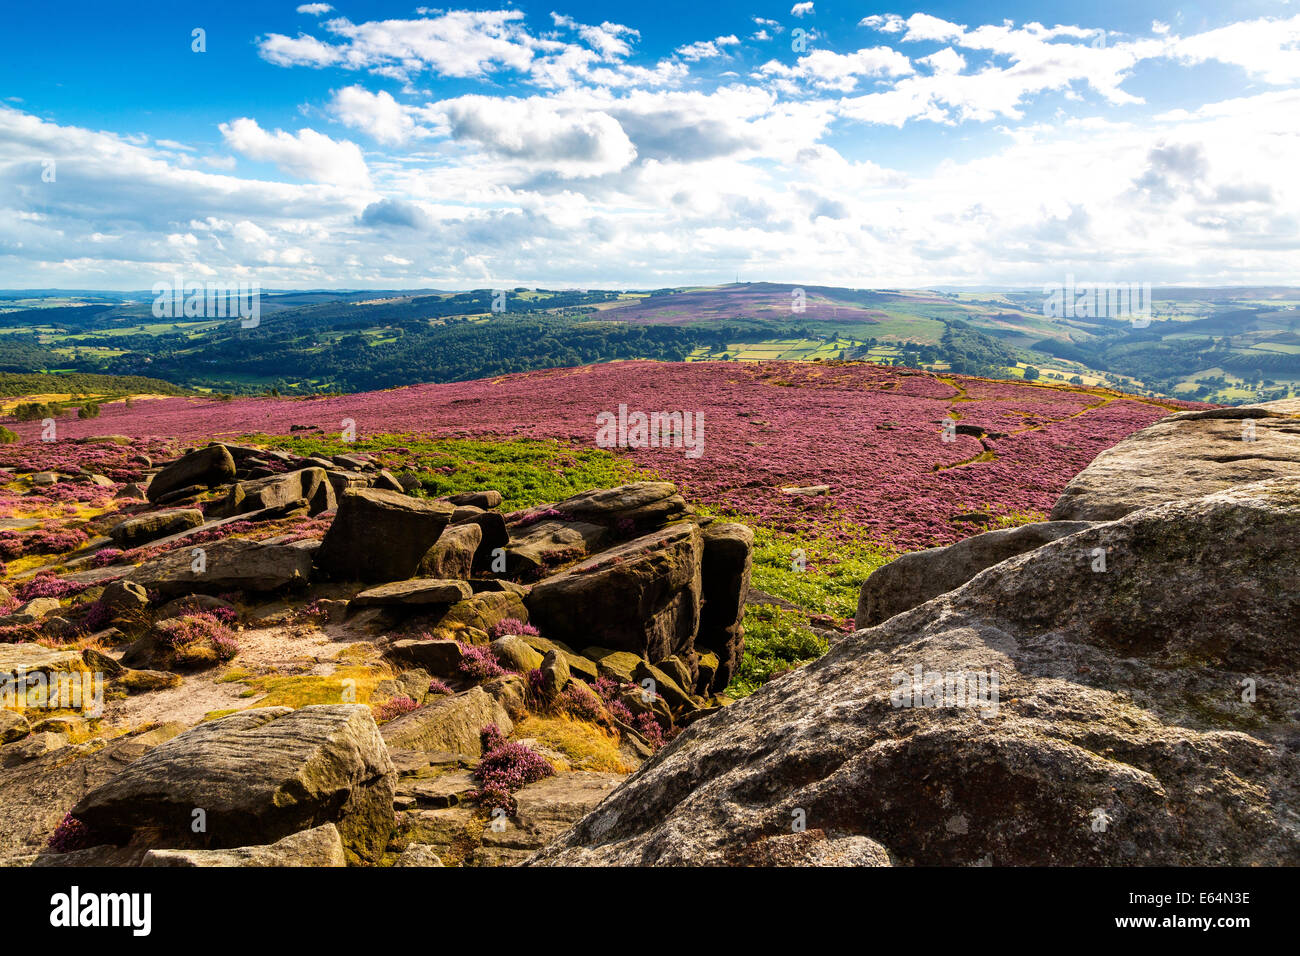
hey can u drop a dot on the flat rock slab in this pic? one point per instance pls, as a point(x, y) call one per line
point(259, 775)
point(416, 591)
point(231, 565)
point(319, 846)
point(1186, 456)
point(452, 723)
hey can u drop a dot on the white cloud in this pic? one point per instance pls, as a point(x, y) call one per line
point(315, 9)
point(308, 154)
point(377, 114)
point(825, 70)
point(707, 49)
point(802, 9)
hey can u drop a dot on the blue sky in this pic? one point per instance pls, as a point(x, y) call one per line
point(383, 145)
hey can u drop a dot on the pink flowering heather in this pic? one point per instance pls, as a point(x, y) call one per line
point(513, 626)
point(506, 767)
point(71, 834)
point(196, 628)
point(46, 584)
point(439, 687)
point(478, 663)
point(872, 434)
point(394, 708)
point(577, 700)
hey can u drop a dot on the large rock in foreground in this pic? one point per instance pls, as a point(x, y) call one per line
point(381, 535)
point(1143, 714)
point(915, 578)
point(1185, 456)
point(257, 776)
point(642, 596)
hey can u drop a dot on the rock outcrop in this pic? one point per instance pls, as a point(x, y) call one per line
point(253, 778)
point(1183, 456)
point(1057, 709)
point(642, 596)
point(916, 577)
point(381, 535)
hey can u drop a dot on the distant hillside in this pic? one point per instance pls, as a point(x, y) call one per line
point(1214, 345)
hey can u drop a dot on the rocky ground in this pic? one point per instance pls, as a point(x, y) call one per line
point(304, 664)
point(293, 661)
point(1117, 686)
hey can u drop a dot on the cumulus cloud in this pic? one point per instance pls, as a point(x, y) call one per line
point(506, 148)
point(315, 9)
point(376, 114)
point(571, 142)
point(307, 154)
point(707, 49)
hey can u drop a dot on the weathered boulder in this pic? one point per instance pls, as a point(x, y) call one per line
point(257, 775)
point(628, 508)
point(724, 579)
point(13, 726)
point(448, 723)
point(1045, 713)
point(441, 657)
point(122, 597)
point(29, 612)
point(915, 578)
point(452, 555)
point(514, 654)
point(485, 609)
point(35, 794)
point(555, 672)
point(582, 666)
point(205, 467)
point(144, 528)
point(319, 846)
point(476, 499)
point(536, 547)
point(418, 854)
point(281, 492)
point(417, 592)
point(380, 535)
point(642, 596)
point(231, 565)
point(1185, 456)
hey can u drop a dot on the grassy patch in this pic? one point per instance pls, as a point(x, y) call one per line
point(775, 641)
point(586, 746)
point(821, 574)
point(350, 685)
point(526, 471)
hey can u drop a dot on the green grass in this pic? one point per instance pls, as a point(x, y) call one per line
point(526, 471)
point(775, 641)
